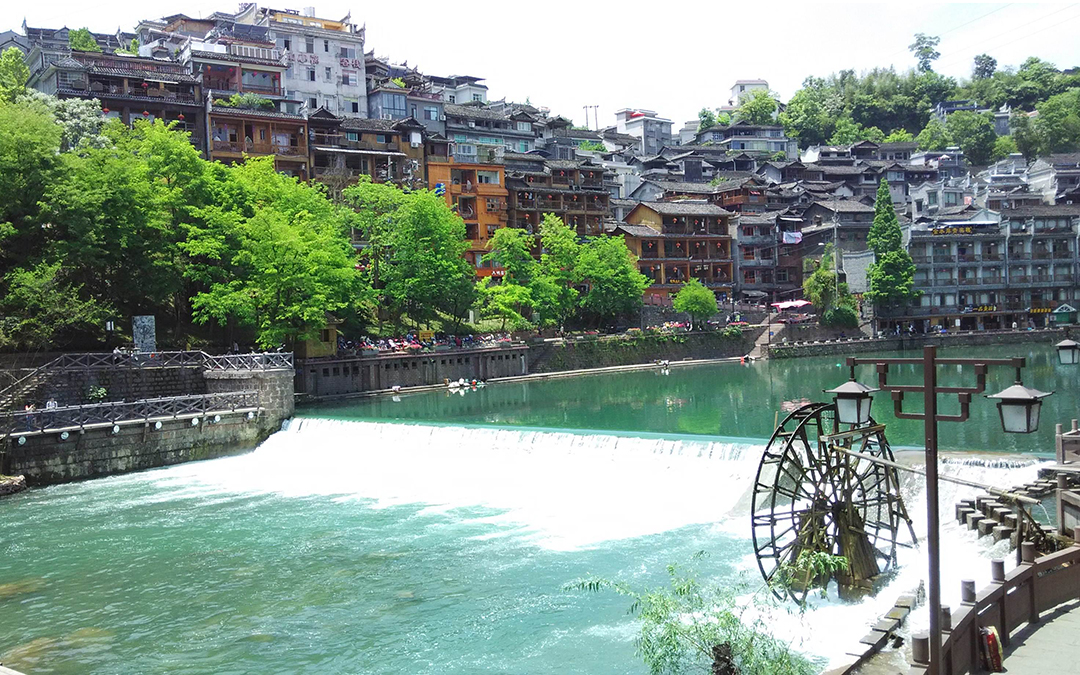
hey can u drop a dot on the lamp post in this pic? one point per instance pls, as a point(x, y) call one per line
point(1019, 410)
point(1068, 352)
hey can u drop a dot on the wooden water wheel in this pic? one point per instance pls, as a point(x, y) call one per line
point(811, 495)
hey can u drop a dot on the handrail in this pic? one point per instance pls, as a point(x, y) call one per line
point(22, 422)
point(1013, 599)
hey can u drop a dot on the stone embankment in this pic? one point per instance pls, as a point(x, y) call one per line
point(900, 343)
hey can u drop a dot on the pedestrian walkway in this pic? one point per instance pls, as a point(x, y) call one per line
point(1048, 647)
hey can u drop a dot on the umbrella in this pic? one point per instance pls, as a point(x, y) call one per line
point(790, 304)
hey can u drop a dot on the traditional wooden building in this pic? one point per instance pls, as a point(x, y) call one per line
point(572, 190)
point(237, 133)
point(477, 191)
point(679, 241)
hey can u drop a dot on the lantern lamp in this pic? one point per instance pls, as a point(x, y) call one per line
point(1019, 408)
point(1068, 352)
point(853, 401)
point(105, 110)
point(146, 113)
point(180, 117)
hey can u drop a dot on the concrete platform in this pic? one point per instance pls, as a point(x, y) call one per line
point(1048, 647)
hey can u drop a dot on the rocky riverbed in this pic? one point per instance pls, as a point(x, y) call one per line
point(9, 485)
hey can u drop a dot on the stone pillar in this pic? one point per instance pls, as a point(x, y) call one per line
point(275, 389)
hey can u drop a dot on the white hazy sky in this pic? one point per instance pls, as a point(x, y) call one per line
point(673, 59)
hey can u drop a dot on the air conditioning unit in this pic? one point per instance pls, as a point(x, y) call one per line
point(472, 124)
point(442, 118)
point(387, 116)
point(415, 145)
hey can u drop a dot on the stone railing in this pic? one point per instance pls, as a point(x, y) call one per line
point(79, 417)
point(1010, 601)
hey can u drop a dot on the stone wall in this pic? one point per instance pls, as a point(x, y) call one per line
point(896, 344)
point(344, 375)
point(630, 349)
point(70, 387)
point(46, 458)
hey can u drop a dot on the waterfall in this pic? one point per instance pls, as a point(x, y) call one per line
point(563, 490)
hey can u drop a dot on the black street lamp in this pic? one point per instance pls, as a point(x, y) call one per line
point(1068, 352)
point(1019, 408)
point(853, 401)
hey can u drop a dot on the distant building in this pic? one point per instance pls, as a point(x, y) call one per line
point(476, 189)
point(652, 132)
point(743, 87)
point(757, 139)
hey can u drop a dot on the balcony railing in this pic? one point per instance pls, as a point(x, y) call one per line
point(269, 90)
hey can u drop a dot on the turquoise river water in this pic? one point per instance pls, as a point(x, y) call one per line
point(434, 532)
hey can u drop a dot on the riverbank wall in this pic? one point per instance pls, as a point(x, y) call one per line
point(225, 408)
point(631, 349)
point(901, 343)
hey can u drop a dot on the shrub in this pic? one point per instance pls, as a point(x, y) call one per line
point(840, 317)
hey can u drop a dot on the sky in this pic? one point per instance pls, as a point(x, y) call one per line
point(672, 59)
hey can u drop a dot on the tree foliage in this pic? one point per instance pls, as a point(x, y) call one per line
point(696, 300)
point(925, 50)
point(706, 119)
point(82, 40)
point(974, 133)
point(42, 310)
point(687, 626)
point(848, 131)
point(756, 107)
point(821, 287)
point(985, 66)
point(14, 74)
point(934, 136)
point(891, 277)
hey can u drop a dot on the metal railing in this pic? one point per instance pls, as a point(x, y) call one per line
point(23, 422)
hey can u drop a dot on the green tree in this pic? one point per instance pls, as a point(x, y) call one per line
point(1003, 147)
point(13, 74)
point(80, 120)
point(690, 627)
point(891, 276)
point(506, 301)
point(285, 260)
point(425, 273)
point(29, 157)
point(899, 136)
point(806, 117)
point(247, 101)
point(1024, 135)
point(553, 289)
point(756, 107)
point(82, 40)
point(848, 131)
point(512, 249)
point(706, 119)
point(974, 133)
point(985, 65)
point(820, 285)
point(1058, 122)
point(925, 50)
point(696, 300)
point(609, 271)
point(884, 233)
point(934, 136)
point(41, 310)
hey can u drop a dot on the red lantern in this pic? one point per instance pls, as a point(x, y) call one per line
point(105, 110)
point(180, 117)
point(145, 85)
point(146, 113)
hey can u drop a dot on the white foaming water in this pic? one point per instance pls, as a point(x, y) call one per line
point(566, 491)
point(563, 490)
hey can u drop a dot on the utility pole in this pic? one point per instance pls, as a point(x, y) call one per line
point(596, 116)
point(586, 109)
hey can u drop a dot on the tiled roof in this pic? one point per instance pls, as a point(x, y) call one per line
point(368, 124)
point(691, 188)
point(846, 206)
point(268, 114)
point(903, 145)
point(186, 78)
point(472, 112)
point(217, 56)
point(686, 209)
point(1062, 158)
point(636, 230)
point(1042, 211)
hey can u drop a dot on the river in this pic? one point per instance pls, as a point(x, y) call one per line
point(434, 532)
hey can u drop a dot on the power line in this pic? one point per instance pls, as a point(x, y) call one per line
point(1012, 31)
point(956, 28)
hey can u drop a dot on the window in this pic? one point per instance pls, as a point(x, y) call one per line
point(329, 72)
point(931, 199)
point(394, 105)
point(477, 97)
point(950, 199)
point(781, 276)
point(347, 53)
point(313, 102)
point(465, 149)
point(286, 44)
point(491, 205)
point(352, 136)
point(748, 231)
point(524, 126)
point(523, 146)
point(311, 74)
point(488, 177)
point(431, 113)
point(326, 46)
point(309, 45)
point(355, 106)
point(348, 78)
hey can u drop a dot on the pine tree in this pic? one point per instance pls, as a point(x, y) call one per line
point(892, 276)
